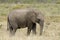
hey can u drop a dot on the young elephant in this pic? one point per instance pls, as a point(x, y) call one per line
point(21, 18)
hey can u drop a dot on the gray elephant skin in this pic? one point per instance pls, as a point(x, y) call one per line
point(22, 18)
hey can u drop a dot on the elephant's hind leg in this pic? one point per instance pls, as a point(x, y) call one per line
point(29, 29)
point(13, 28)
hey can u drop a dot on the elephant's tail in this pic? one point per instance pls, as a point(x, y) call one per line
point(8, 24)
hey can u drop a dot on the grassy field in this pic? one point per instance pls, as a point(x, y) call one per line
point(51, 26)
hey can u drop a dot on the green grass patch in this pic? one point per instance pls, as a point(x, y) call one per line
point(46, 9)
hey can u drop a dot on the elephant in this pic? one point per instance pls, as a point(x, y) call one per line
point(22, 18)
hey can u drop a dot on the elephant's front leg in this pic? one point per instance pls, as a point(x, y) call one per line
point(34, 28)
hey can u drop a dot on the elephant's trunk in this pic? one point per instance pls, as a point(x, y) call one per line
point(41, 23)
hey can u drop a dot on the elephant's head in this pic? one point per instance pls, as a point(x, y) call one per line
point(37, 17)
point(40, 20)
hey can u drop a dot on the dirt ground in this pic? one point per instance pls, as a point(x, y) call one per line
point(51, 32)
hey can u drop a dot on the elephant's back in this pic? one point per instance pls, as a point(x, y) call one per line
point(18, 13)
point(18, 16)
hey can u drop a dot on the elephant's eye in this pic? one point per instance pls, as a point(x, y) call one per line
point(38, 20)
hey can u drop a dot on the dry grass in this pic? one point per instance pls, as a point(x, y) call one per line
point(51, 26)
point(51, 31)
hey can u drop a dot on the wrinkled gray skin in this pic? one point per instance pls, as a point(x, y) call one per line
point(21, 18)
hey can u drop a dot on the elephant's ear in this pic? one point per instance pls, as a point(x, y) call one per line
point(31, 16)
